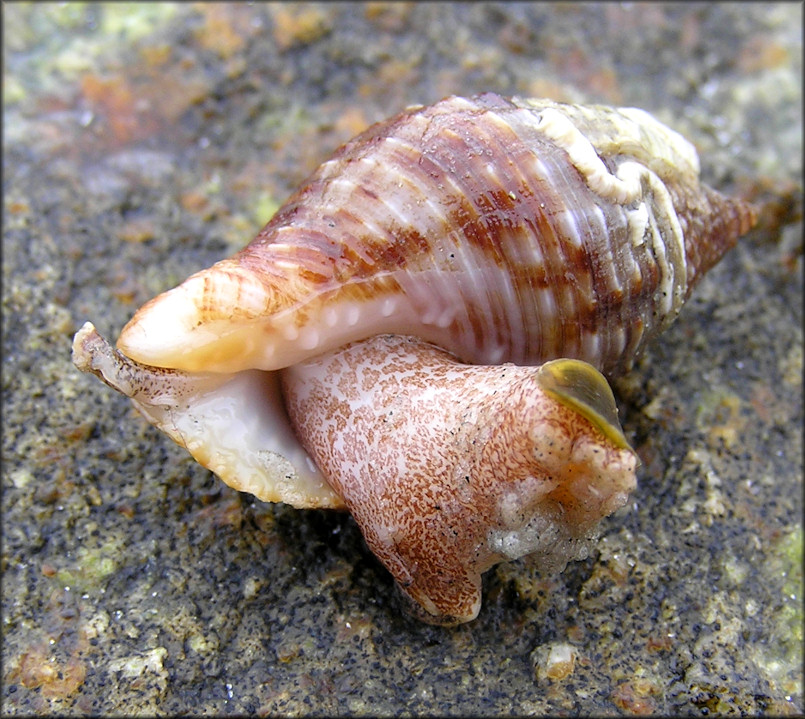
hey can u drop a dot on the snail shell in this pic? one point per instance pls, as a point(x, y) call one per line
point(501, 231)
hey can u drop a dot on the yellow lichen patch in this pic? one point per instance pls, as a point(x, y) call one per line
point(218, 32)
point(719, 416)
point(298, 24)
point(134, 20)
point(91, 567)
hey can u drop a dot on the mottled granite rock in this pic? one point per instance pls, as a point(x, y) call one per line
point(143, 142)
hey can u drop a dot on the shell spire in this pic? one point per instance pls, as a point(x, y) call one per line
point(501, 230)
point(707, 241)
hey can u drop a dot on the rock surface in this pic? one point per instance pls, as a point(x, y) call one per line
point(145, 141)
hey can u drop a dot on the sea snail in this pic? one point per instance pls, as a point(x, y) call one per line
point(421, 333)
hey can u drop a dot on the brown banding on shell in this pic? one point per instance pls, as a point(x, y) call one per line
point(501, 230)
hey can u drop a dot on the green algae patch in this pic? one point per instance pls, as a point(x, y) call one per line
point(265, 205)
point(134, 20)
point(791, 616)
point(782, 656)
point(91, 567)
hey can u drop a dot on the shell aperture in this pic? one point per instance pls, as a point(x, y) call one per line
point(235, 425)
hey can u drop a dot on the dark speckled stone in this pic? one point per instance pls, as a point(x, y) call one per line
point(145, 141)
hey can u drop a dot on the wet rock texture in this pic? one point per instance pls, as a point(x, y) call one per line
point(143, 142)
